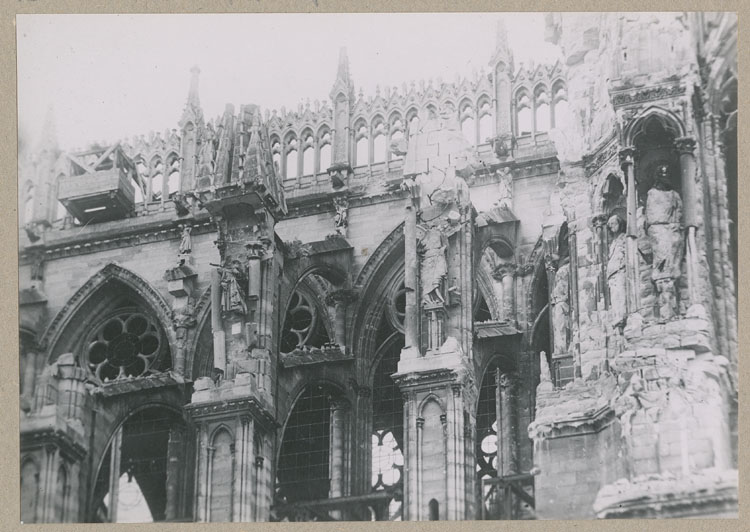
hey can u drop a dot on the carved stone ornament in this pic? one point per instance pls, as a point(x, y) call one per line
point(186, 243)
point(232, 294)
point(561, 309)
point(616, 275)
point(434, 266)
point(663, 223)
point(341, 218)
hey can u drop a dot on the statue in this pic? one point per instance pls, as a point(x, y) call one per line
point(616, 276)
point(186, 244)
point(341, 218)
point(434, 270)
point(232, 295)
point(663, 217)
point(207, 152)
point(505, 188)
point(560, 303)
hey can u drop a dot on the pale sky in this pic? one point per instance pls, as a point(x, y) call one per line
point(110, 77)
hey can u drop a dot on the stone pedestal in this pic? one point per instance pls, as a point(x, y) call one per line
point(439, 437)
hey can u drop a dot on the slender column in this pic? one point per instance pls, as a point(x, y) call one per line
point(175, 465)
point(551, 270)
point(627, 163)
point(220, 356)
point(411, 317)
point(114, 474)
point(337, 447)
point(507, 273)
point(600, 233)
point(506, 437)
point(418, 505)
point(686, 147)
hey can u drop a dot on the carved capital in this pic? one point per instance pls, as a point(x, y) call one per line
point(342, 295)
point(420, 422)
point(504, 270)
point(627, 156)
point(443, 419)
point(259, 460)
point(257, 248)
point(685, 145)
point(599, 221)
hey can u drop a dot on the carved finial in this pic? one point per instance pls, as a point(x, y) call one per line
point(48, 138)
point(377, 91)
point(343, 70)
point(193, 99)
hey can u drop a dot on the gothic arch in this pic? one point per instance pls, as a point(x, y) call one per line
point(123, 411)
point(669, 121)
point(363, 321)
point(111, 273)
point(197, 366)
point(431, 398)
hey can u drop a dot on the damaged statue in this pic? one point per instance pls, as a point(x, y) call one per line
point(616, 276)
point(663, 217)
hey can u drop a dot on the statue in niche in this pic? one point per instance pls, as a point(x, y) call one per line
point(434, 265)
point(186, 244)
point(560, 303)
point(616, 276)
point(207, 152)
point(341, 218)
point(663, 217)
point(505, 188)
point(232, 294)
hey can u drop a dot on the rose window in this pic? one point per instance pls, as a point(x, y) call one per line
point(128, 344)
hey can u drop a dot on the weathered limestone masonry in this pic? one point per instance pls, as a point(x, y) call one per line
point(506, 297)
point(647, 427)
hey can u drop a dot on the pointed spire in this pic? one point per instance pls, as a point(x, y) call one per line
point(343, 70)
point(48, 136)
point(192, 112)
point(343, 81)
point(193, 99)
point(503, 53)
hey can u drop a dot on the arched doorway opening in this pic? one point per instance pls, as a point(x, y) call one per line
point(142, 477)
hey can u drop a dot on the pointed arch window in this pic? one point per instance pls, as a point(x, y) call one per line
point(524, 118)
point(397, 133)
point(291, 158)
point(468, 123)
point(157, 179)
point(560, 107)
point(173, 182)
point(324, 162)
point(308, 154)
point(362, 154)
point(378, 143)
point(276, 154)
point(542, 110)
point(485, 122)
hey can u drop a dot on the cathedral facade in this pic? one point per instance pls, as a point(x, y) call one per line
point(508, 297)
